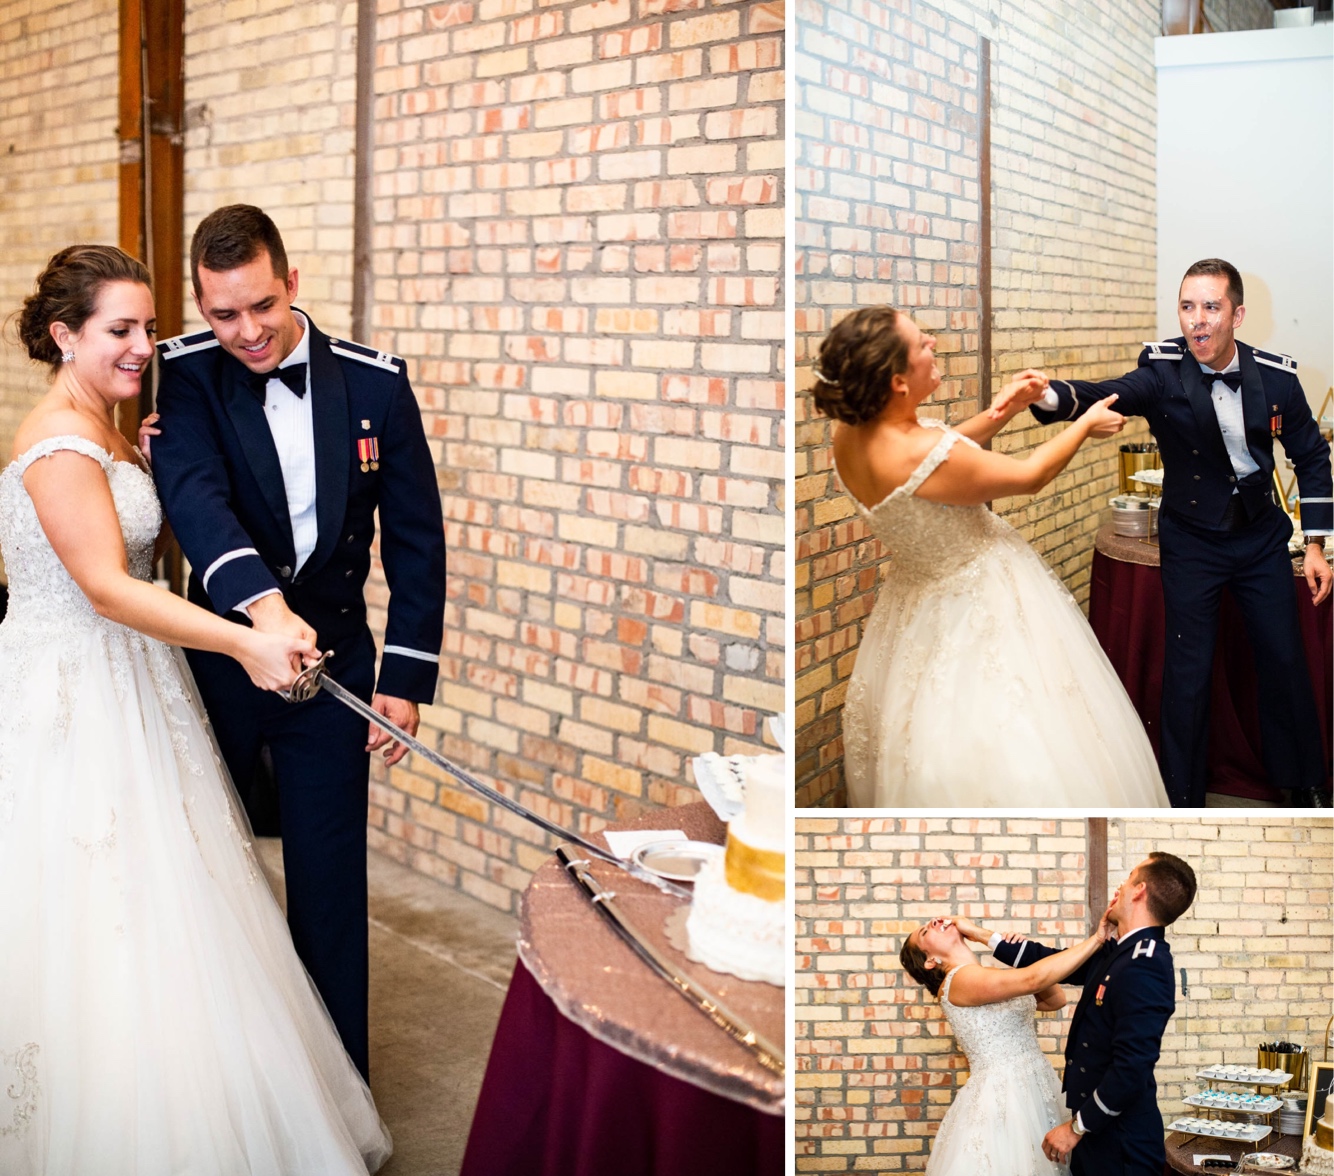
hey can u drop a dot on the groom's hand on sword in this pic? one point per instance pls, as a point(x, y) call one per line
point(402, 714)
point(1059, 1142)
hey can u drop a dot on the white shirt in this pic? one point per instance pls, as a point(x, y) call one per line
point(1227, 407)
point(291, 422)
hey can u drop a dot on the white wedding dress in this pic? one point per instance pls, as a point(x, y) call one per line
point(1011, 1100)
point(978, 681)
point(154, 1017)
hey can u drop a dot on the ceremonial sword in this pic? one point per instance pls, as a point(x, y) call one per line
point(765, 1052)
point(315, 678)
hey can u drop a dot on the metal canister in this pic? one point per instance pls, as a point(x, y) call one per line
point(1136, 456)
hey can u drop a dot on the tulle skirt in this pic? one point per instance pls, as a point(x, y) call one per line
point(154, 1017)
point(996, 1124)
point(988, 688)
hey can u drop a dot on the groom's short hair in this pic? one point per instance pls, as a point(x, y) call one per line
point(1216, 267)
point(1169, 887)
point(234, 236)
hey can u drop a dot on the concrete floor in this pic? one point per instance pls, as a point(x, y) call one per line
point(440, 965)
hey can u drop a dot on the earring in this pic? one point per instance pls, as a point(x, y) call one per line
point(68, 356)
point(938, 960)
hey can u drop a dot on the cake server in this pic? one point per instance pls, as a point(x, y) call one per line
point(315, 678)
point(766, 1053)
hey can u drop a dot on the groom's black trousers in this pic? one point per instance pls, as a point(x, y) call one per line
point(1252, 561)
point(322, 769)
point(1133, 1147)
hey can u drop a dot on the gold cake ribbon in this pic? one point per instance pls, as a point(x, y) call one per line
point(761, 872)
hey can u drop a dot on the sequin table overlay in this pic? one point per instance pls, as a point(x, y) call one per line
point(599, 983)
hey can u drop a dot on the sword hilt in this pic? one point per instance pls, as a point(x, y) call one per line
point(307, 683)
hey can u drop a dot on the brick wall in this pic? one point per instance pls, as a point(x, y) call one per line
point(578, 214)
point(888, 212)
point(1257, 944)
point(876, 1065)
point(270, 94)
point(578, 246)
point(58, 159)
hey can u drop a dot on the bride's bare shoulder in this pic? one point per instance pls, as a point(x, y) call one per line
point(874, 460)
point(44, 423)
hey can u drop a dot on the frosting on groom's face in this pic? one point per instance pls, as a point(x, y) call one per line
point(1208, 319)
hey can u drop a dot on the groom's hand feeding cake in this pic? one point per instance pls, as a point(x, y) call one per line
point(736, 919)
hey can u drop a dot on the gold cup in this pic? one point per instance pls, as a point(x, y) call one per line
point(1136, 457)
point(1293, 1063)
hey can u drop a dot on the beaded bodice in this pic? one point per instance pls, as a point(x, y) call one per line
point(930, 540)
point(1001, 1034)
point(41, 591)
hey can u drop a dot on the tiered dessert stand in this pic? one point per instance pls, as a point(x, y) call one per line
point(1223, 1098)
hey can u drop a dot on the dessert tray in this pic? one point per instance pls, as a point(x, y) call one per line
point(1267, 1162)
point(1220, 1129)
point(1247, 1075)
point(1227, 1100)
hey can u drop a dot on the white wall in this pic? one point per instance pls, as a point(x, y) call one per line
point(1246, 173)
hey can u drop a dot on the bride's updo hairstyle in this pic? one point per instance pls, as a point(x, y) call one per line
point(67, 291)
point(857, 360)
point(913, 959)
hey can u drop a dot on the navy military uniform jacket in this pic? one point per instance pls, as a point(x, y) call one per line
point(1115, 1038)
point(1168, 390)
point(222, 488)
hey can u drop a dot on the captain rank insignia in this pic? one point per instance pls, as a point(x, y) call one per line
point(368, 450)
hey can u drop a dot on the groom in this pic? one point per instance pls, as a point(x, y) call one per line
point(278, 447)
point(1117, 1030)
point(1216, 406)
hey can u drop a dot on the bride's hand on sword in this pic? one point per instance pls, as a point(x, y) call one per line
point(273, 660)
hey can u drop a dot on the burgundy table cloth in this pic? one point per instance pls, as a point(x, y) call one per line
point(600, 1068)
point(557, 1102)
point(1126, 613)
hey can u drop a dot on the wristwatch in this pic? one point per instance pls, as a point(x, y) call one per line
point(1077, 1127)
point(1307, 540)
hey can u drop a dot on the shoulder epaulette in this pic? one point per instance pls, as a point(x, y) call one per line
point(1163, 350)
point(364, 354)
point(1275, 359)
point(185, 344)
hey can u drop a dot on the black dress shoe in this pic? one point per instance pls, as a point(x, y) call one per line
point(1308, 798)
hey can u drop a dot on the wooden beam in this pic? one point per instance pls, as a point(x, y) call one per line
point(984, 228)
point(152, 178)
point(152, 161)
point(1097, 869)
point(363, 196)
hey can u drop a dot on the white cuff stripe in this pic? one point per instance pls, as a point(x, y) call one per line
point(222, 559)
point(403, 651)
point(1020, 954)
point(1306, 500)
point(1106, 1110)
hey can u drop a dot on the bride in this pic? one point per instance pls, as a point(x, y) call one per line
point(996, 1124)
point(154, 1017)
point(978, 682)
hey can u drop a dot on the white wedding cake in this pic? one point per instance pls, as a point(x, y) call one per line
point(736, 922)
point(1318, 1152)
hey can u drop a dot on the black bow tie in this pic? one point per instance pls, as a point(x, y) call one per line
point(294, 376)
point(1231, 379)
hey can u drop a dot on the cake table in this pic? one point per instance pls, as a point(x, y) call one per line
point(600, 1068)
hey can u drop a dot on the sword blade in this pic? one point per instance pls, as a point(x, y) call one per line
point(765, 1052)
point(350, 700)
